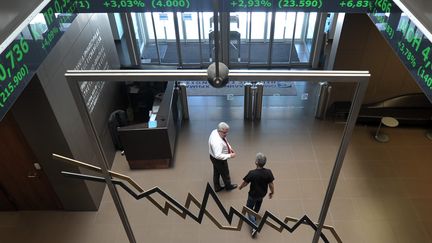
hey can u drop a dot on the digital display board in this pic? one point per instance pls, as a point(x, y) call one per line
point(14, 71)
point(347, 6)
point(108, 6)
point(412, 47)
point(115, 6)
point(20, 60)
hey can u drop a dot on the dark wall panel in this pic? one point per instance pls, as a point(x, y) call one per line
point(363, 48)
point(88, 44)
point(42, 132)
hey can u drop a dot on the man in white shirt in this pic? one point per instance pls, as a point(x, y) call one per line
point(220, 151)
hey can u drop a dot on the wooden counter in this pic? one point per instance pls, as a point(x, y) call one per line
point(153, 147)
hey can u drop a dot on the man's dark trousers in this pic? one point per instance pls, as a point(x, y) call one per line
point(220, 168)
point(255, 205)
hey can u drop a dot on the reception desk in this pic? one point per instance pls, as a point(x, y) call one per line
point(151, 145)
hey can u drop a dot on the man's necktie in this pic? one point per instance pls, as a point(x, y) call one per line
point(229, 148)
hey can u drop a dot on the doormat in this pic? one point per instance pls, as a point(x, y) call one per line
point(203, 88)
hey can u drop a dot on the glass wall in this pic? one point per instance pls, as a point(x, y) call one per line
point(195, 29)
point(162, 37)
point(292, 38)
point(254, 38)
point(139, 28)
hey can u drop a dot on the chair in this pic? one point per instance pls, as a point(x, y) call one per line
point(117, 119)
point(429, 135)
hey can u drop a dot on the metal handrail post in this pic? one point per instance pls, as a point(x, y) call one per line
point(258, 99)
point(247, 101)
point(184, 101)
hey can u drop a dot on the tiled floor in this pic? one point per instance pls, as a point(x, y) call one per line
point(383, 194)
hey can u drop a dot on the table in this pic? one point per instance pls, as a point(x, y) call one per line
point(389, 122)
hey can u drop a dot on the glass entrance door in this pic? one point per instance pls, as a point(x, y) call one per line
point(160, 47)
point(195, 29)
point(261, 39)
point(290, 40)
point(293, 37)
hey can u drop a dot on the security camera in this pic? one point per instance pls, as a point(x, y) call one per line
point(222, 79)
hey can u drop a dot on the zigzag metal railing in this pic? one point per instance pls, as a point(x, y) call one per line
point(183, 211)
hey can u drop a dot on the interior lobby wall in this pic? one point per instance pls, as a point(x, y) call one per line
point(362, 47)
point(40, 128)
point(87, 44)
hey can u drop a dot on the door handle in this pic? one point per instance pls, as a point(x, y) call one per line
point(32, 174)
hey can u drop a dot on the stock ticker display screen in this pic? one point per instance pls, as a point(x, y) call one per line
point(20, 60)
point(410, 44)
point(355, 6)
